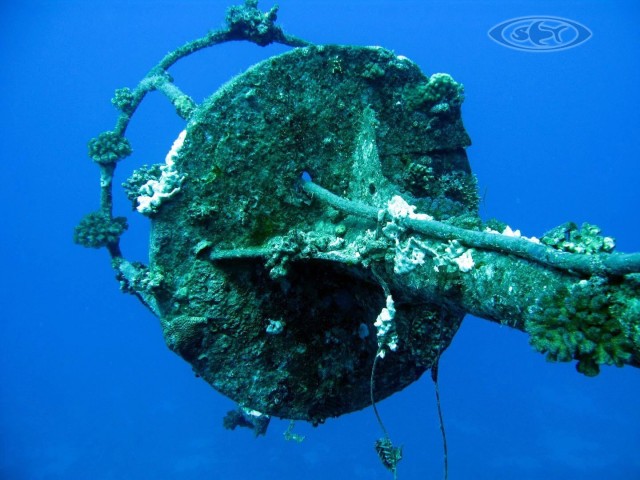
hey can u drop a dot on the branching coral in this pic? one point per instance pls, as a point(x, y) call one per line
point(580, 323)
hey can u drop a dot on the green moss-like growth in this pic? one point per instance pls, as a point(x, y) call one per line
point(373, 71)
point(627, 309)
point(98, 230)
point(109, 147)
point(580, 323)
point(586, 239)
point(264, 227)
point(184, 106)
point(461, 187)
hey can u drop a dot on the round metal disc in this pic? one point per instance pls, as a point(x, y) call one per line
point(296, 339)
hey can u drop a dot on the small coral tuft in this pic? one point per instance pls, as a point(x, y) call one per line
point(441, 94)
point(98, 230)
point(109, 147)
point(123, 100)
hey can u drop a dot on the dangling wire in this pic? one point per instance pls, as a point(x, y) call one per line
point(373, 400)
point(434, 377)
point(389, 455)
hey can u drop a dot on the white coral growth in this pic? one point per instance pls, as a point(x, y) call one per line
point(156, 191)
point(465, 261)
point(386, 328)
point(398, 208)
point(412, 253)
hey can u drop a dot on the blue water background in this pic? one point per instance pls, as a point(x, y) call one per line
point(88, 388)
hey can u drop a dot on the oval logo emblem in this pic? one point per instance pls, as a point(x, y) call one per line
point(540, 34)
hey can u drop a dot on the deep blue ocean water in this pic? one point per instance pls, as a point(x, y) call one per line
point(88, 388)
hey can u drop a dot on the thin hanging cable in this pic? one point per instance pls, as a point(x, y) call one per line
point(373, 401)
point(434, 377)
